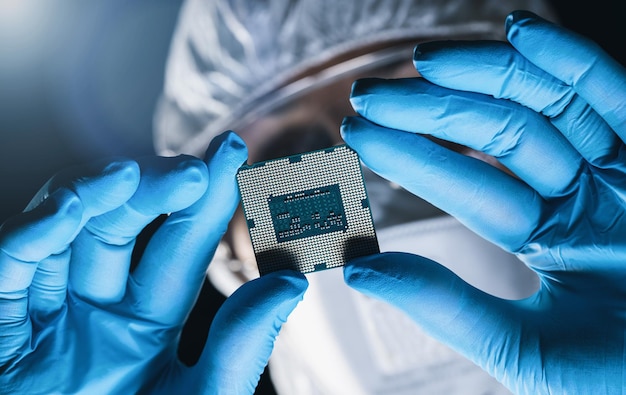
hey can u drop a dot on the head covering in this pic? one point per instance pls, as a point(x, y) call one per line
point(227, 55)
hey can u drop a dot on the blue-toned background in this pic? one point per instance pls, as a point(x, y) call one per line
point(79, 80)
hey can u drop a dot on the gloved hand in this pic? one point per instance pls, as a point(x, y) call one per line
point(72, 318)
point(551, 107)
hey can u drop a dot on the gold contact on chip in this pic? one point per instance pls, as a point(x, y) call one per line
point(307, 212)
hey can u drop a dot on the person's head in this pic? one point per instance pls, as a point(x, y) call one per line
point(279, 72)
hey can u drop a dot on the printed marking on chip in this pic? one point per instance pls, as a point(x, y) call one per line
point(307, 212)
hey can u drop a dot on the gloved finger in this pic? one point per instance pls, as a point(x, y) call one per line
point(101, 186)
point(173, 267)
point(102, 251)
point(34, 235)
point(483, 328)
point(497, 69)
point(521, 139)
point(575, 60)
point(493, 204)
point(48, 289)
point(25, 240)
point(241, 337)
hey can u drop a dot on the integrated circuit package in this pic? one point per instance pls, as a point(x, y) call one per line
point(307, 212)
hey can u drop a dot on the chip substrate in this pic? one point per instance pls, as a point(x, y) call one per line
point(307, 212)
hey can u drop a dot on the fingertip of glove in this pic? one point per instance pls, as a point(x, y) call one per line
point(288, 283)
point(417, 55)
point(361, 89)
point(46, 229)
point(196, 179)
point(277, 292)
point(425, 53)
point(65, 203)
point(124, 168)
point(515, 18)
point(126, 174)
point(234, 141)
point(230, 142)
point(194, 170)
point(361, 86)
point(349, 130)
point(361, 269)
point(345, 128)
point(169, 184)
point(61, 202)
point(421, 50)
point(355, 95)
point(273, 295)
point(417, 52)
point(349, 124)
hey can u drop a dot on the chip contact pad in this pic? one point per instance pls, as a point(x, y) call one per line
point(307, 212)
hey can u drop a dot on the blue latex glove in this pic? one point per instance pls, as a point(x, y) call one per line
point(551, 107)
point(72, 318)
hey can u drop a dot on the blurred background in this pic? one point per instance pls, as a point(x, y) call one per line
point(79, 80)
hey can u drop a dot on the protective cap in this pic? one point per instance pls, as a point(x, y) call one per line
point(227, 55)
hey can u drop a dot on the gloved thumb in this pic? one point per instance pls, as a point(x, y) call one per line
point(479, 326)
point(243, 331)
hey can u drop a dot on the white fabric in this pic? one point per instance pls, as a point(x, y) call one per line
point(227, 54)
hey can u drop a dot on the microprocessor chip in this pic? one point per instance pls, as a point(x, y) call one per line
point(307, 212)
